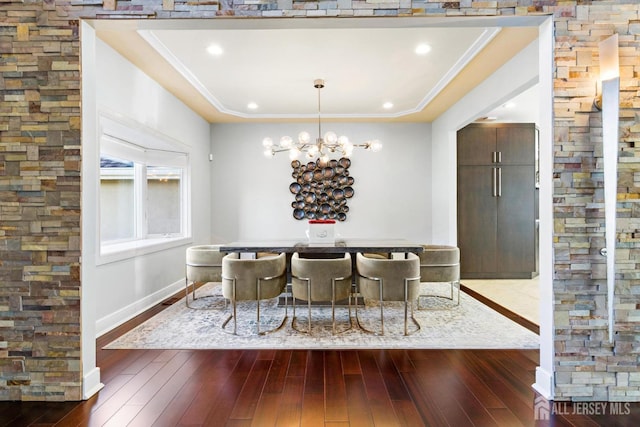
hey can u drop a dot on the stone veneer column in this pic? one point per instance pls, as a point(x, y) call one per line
point(39, 203)
point(40, 182)
point(588, 366)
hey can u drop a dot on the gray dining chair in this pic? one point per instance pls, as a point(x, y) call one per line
point(203, 265)
point(320, 279)
point(256, 280)
point(389, 279)
point(440, 264)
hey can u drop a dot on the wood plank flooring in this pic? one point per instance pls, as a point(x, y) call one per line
point(157, 388)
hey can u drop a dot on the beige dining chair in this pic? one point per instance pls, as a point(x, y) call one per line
point(203, 265)
point(320, 279)
point(440, 264)
point(390, 279)
point(256, 280)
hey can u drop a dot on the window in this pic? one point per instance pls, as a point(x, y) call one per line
point(144, 200)
point(117, 199)
point(163, 200)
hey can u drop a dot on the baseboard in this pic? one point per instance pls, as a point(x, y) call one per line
point(91, 383)
point(115, 319)
point(544, 383)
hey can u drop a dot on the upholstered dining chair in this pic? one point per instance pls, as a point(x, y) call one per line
point(438, 264)
point(392, 279)
point(203, 265)
point(320, 279)
point(253, 280)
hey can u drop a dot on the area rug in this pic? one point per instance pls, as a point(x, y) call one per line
point(469, 325)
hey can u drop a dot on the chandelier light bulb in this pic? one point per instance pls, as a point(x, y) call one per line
point(324, 159)
point(343, 140)
point(304, 137)
point(313, 150)
point(285, 142)
point(267, 142)
point(347, 149)
point(268, 153)
point(375, 145)
point(330, 137)
point(294, 153)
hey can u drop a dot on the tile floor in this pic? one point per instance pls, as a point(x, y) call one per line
point(522, 296)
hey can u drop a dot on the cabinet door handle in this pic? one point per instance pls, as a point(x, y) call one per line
point(499, 156)
point(494, 182)
point(499, 182)
point(494, 157)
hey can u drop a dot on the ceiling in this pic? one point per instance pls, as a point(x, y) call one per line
point(365, 63)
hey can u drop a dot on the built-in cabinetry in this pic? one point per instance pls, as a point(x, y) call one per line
point(496, 200)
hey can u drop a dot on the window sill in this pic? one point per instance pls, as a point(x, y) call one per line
point(121, 251)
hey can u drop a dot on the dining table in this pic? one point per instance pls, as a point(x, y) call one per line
point(340, 246)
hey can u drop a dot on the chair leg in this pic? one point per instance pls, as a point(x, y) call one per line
point(333, 305)
point(406, 303)
point(350, 324)
point(381, 311)
point(259, 295)
point(454, 294)
point(193, 296)
point(258, 304)
point(293, 302)
point(186, 291)
point(309, 305)
point(456, 284)
point(406, 297)
point(234, 308)
point(235, 317)
point(234, 314)
point(293, 320)
point(286, 306)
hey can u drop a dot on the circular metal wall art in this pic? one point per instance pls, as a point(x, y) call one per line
point(320, 189)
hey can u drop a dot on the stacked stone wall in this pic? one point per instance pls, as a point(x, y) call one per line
point(40, 346)
point(588, 365)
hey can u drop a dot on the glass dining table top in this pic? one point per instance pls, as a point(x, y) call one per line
point(341, 245)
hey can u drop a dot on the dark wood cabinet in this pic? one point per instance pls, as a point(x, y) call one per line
point(496, 201)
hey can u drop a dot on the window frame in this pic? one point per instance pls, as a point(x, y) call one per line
point(145, 147)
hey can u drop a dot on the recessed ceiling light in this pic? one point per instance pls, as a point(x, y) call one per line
point(252, 105)
point(422, 49)
point(387, 105)
point(215, 50)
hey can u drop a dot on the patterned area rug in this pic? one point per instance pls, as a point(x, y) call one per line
point(443, 325)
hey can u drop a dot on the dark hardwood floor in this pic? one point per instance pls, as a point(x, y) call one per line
point(313, 388)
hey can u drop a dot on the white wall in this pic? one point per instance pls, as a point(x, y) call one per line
point(251, 197)
point(126, 287)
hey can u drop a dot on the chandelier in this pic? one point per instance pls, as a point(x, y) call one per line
point(322, 147)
